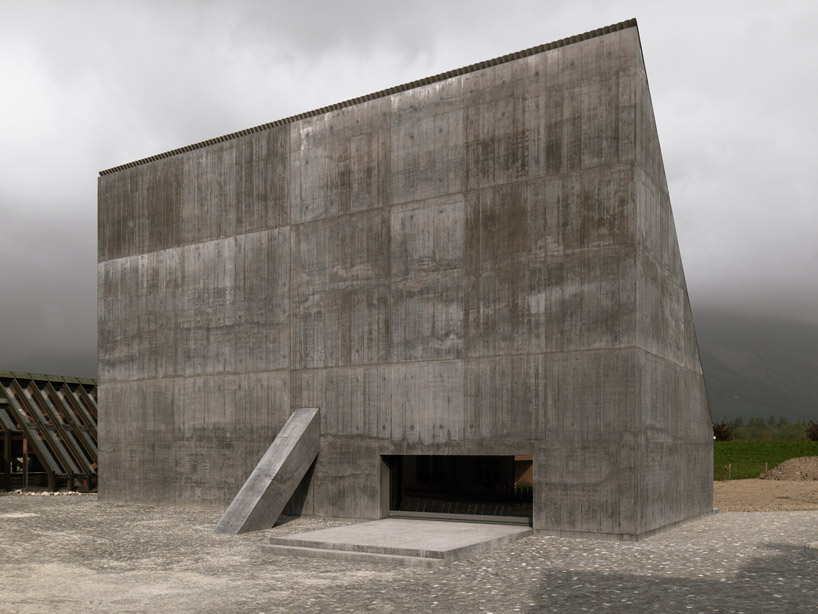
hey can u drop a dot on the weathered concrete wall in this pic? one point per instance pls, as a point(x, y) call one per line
point(677, 457)
point(484, 264)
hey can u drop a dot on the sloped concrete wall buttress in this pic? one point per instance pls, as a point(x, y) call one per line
point(272, 483)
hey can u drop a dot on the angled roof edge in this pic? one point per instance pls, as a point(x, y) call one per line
point(42, 377)
point(622, 25)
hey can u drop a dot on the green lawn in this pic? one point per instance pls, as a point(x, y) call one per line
point(747, 458)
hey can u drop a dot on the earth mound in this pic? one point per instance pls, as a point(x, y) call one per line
point(803, 469)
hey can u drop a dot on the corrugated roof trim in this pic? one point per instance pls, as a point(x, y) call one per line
point(623, 25)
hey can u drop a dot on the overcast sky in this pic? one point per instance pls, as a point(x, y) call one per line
point(85, 86)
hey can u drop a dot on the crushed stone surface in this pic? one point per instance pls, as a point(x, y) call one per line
point(77, 554)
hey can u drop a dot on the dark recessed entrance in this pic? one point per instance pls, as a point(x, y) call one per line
point(480, 488)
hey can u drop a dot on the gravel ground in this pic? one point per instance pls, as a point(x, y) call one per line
point(74, 554)
point(765, 495)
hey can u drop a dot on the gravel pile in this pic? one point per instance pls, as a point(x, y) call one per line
point(804, 469)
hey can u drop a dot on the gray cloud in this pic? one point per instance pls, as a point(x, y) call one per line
point(90, 85)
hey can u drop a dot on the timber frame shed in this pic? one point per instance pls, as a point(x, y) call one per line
point(48, 425)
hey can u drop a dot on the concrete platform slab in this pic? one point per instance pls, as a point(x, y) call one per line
point(400, 541)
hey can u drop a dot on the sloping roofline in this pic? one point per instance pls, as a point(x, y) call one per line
point(622, 25)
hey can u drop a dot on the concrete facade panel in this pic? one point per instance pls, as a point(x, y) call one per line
point(588, 488)
point(358, 175)
point(208, 193)
point(498, 139)
point(427, 152)
point(648, 151)
point(660, 308)
point(427, 318)
point(262, 185)
point(512, 224)
point(308, 169)
point(504, 399)
point(657, 232)
point(428, 236)
point(334, 253)
point(590, 300)
point(691, 347)
point(358, 399)
point(677, 480)
point(582, 388)
point(341, 327)
point(508, 315)
point(427, 402)
point(592, 209)
point(344, 467)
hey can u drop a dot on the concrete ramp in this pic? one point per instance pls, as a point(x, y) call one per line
point(400, 541)
point(274, 480)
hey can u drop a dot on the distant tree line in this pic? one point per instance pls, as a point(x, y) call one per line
point(770, 429)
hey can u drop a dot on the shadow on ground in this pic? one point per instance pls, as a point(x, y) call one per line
point(783, 578)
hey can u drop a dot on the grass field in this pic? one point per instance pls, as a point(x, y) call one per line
point(747, 458)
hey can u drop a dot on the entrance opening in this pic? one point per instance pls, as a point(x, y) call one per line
point(479, 488)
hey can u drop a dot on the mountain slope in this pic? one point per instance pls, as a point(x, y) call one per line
point(757, 367)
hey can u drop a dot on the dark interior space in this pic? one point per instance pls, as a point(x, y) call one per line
point(22, 468)
point(471, 486)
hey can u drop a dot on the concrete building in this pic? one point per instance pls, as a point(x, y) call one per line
point(460, 271)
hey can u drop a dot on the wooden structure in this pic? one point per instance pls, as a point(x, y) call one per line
point(49, 431)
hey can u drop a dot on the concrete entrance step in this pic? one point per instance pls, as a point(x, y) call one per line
point(400, 541)
point(341, 555)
